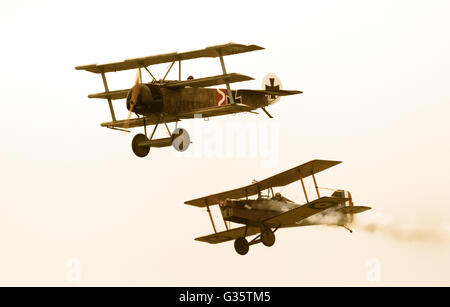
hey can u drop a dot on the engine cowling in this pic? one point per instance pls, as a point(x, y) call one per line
point(148, 100)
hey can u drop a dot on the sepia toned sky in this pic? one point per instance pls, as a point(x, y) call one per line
point(78, 208)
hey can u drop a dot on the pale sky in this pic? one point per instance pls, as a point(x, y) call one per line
point(75, 199)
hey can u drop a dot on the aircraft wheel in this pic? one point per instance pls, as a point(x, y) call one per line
point(140, 151)
point(180, 139)
point(241, 246)
point(268, 237)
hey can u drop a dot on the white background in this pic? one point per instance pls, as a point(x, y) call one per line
point(375, 77)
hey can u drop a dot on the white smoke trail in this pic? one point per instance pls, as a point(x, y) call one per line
point(326, 217)
point(423, 230)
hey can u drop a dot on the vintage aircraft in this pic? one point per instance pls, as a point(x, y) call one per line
point(264, 215)
point(164, 101)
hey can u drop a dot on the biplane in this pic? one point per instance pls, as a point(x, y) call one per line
point(166, 101)
point(266, 214)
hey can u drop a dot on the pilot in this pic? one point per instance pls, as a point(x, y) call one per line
point(278, 196)
point(190, 78)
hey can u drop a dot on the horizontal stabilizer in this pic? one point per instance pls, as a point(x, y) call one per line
point(272, 93)
point(353, 209)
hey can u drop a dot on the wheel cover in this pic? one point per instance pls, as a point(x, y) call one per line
point(268, 237)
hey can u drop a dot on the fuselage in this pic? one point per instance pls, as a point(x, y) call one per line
point(255, 211)
point(155, 98)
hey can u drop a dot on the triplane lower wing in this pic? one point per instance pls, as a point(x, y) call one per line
point(264, 215)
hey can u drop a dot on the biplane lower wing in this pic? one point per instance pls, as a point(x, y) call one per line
point(229, 235)
point(295, 215)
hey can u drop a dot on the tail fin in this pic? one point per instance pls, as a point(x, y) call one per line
point(348, 203)
point(271, 82)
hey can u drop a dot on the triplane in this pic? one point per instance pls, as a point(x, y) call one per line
point(165, 101)
point(264, 215)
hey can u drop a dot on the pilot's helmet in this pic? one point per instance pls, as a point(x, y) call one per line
point(190, 78)
point(278, 196)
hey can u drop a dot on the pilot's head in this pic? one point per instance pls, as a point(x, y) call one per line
point(190, 78)
point(277, 196)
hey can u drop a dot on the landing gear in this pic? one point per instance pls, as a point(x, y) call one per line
point(268, 237)
point(140, 151)
point(241, 246)
point(179, 139)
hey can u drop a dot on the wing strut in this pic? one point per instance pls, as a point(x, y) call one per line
point(303, 186)
point(222, 63)
point(224, 221)
point(315, 185)
point(111, 109)
point(210, 215)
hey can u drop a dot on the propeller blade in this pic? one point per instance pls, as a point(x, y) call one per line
point(134, 95)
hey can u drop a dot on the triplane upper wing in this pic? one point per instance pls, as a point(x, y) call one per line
point(209, 52)
point(282, 179)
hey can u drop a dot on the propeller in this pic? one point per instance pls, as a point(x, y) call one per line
point(134, 95)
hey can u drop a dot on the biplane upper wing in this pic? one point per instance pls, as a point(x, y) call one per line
point(273, 92)
point(295, 215)
point(210, 52)
point(210, 81)
point(228, 235)
point(281, 179)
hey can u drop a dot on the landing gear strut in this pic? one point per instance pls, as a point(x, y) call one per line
point(178, 139)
